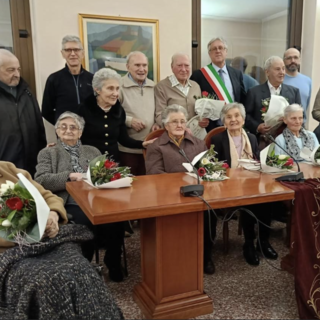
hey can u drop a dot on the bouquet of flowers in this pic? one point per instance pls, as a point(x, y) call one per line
point(208, 106)
point(311, 156)
point(103, 172)
point(208, 166)
point(273, 110)
point(23, 212)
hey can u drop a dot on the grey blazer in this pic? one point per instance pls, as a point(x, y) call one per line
point(54, 167)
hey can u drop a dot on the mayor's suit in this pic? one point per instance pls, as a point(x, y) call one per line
point(237, 85)
point(254, 99)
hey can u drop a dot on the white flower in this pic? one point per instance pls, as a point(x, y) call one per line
point(263, 115)
point(318, 160)
point(204, 161)
point(6, 223)
point(10, 184)
point(98, 163)
point(282, 157)
point(6, 186)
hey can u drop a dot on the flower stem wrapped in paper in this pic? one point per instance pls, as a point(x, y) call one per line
point(209, 168)
point(23, 212)
point(103, 173)
point(311, 156)
point(272, 163)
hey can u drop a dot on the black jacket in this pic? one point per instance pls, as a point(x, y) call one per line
point(222, 146)
point(22, 133)
point(104, 130)
point(65, 92)
point(254, 99)
point(236, 81)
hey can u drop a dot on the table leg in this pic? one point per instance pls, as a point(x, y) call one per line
point(172, 268)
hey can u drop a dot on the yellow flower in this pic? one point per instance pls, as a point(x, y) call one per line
point(204, 161)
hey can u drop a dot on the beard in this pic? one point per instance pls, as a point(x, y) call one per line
point(292, 67)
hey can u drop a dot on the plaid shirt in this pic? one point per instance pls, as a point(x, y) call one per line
point(175, 83)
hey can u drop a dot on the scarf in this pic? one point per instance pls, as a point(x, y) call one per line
point(177, 142)
point(291, 144)
point(246, 151)
point(74, 154)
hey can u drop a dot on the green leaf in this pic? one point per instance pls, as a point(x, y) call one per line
point(11, 215)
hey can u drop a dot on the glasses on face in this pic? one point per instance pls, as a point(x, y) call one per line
point(214, 49)
point(291, 58)
point(175, 123)
point(75, 50)
point(65, 127)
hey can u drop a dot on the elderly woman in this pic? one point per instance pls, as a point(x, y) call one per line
point(36, 281)
point(163, 157)
point(67, 161)
point(233, 144)
point(294, 137)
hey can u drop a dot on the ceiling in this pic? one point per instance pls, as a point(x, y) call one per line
point(248, 10)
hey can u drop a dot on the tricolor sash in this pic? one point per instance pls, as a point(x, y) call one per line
point(216, 83)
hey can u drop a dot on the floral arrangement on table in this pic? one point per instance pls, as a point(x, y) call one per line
point(279, 161)
point(103, 172)
point(20, 210)
point(206, 95)
point(317, 156)
point(312, 156)
point(208, 166)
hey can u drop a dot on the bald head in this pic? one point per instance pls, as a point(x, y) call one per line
point(291, 59)
point(9, 68)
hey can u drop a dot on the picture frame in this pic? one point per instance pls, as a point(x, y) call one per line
point(108, 40)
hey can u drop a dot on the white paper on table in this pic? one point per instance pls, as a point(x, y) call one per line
point(120, 183)
point(248, 164)
point(308, 155)
point(275, 111)
point(209, 108)
point(197, 131)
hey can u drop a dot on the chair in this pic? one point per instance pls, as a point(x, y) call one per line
point(152, 135)
point(211, 133)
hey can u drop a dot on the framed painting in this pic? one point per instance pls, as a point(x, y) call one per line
point(108, 40)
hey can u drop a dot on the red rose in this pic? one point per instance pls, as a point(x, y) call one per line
point(14, 203)
point(225, 165)
point(289, 162)
point(264, 109)
point(109, 164)
point(205, 93)
point(117, 175)
point(201, 172)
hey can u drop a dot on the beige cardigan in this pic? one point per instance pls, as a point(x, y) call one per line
point(166, 95)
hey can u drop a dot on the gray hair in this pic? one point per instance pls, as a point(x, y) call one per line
point(133, 53)
point(224, 41)
point(270, 61)
point(292, 108)
point(70, 38)
point(4, 53)
point(101, 76)
point(235, 105)
point(176, 55)
point(173, 108)
point(77, 119)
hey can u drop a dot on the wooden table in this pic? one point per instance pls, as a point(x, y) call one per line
point(172, 231)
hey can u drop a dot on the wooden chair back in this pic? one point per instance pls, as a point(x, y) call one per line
point(212, 133)
point(150, 136)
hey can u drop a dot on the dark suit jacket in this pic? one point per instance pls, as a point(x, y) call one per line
point(236, 81)
point(254, 99)
point(222, 146)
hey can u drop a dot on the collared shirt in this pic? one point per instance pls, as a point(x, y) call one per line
point(175, 83)
point(226, 78)
point(273, 90)
point(130, 77)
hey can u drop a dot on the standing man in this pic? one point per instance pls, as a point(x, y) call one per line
point(219, 79)
point(296, 79)
point(275, 71)
point(22, 133)
point(137, 98)
point(68, 87)
point(178, 89)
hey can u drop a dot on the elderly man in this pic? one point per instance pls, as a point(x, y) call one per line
point(178, 89)
point(22, 133)
point(275, 71)
point(68, 87)
point(137, 98)
point(296, 79)
point(219, 79)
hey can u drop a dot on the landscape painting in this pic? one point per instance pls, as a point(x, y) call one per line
point(108, 40)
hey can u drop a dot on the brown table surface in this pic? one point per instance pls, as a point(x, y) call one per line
point(159, 195)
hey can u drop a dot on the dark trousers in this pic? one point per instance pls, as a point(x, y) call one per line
point(209, 226)
point(109, 236)
point(134, 161)
point(213, 124)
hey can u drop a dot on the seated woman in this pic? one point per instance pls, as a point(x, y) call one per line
point(294, 137)
point(233, 144)
point(163, 157)
point(68, 160)
point(52, 280)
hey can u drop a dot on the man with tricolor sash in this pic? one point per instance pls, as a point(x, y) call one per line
point(219, 79)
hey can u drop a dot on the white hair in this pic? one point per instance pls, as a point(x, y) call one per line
point(133, 53)
point(235, 105)
point(270, 61)
point(224, 41)
point(70, 38)
point(101, 76)
point(77, 119)
point(292, 108)
point(177, 55)
point(173, 108)
point(5, 54)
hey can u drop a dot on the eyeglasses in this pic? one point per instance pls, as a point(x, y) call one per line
point(217, 48)
point(65, 127)
point(175, 123)
point(75, 50)
point(292, 58)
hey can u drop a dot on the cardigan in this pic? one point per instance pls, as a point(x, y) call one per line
point(166, 95)
point(104, 130)
point(54, 167)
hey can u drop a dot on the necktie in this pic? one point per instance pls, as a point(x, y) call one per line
point(221, 74)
